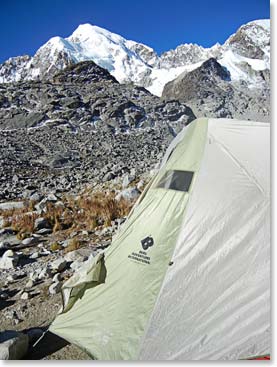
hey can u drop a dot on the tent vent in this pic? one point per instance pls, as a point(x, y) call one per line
point(176, 180)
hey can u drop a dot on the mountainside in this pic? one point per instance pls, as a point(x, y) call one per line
point(243, 53)
point(80, 126)
point(208, 90)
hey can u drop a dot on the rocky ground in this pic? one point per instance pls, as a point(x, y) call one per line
point(80, 127)
point(42, 243)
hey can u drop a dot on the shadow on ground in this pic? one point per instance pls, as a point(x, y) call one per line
point(49, 344)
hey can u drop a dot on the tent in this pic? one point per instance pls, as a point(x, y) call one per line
point(188, 275)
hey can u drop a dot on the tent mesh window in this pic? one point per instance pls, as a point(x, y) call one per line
point(176, 180)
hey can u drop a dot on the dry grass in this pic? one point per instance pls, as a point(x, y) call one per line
point(73, 245)
point(84, 212)
point(100, 209)
point(23, 224)
point(55, 246)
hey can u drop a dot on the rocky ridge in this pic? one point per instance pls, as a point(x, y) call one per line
point(209, 92)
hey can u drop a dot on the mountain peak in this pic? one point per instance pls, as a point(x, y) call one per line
point(88, 32)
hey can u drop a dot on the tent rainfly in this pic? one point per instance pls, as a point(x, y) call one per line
point(188, 275)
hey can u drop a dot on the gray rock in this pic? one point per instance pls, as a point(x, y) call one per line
point(55, 288)
point(30, 241)
point(129, 194)
point(9, 260)
point(13, 345)
point(12, 205)
point(25, 296)
point(58, 265)
point(35, 197)
point(44, 231)
point(29, 284)
point(34, 255)
point(127, 180)
point(81, 254)
point(140, 184)
point(34, 275)
point(45, 273)
point(42, 205)
point(41, 223)
point(56, 278)
point(109, 176)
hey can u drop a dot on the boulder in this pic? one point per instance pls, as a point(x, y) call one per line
point(12, 205)
point(45, 273)
point(41, 206)
point(30, 241)
point(41, 223)
point(29, 284)
point(9, 260)
point(55, 287)
point(81, 254)
point(59, 265)
point(56, 278)
point(25, 296)
point(129, 194)
point(13, 345)
point(34, 255)
point(127, 180)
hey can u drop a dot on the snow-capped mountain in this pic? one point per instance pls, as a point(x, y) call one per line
point(244, 54)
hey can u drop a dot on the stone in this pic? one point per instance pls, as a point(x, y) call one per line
point(13, 345)
point(127, 180)
point(30, 241)
point(44, 231)
point(12, 205)
point(9, 260)
point(3, 295)
point(41, 206)
point(34, 255)
point(34, 275)
point(55, 288)
point(140, 184)
point(25, 296)
point(41, 223)
point(59, 265)
point(80, 254)
point(129, 194)
point(35, 197)
point(56, 278)
point(108, 176)
point(29, 284)
point(45, 273)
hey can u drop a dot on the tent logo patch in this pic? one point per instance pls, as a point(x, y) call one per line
point(142, 256)
point(147, 242)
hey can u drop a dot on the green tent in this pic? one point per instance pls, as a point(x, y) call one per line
point(188, 275)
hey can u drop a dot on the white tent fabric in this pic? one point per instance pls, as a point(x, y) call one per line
point(215, 300)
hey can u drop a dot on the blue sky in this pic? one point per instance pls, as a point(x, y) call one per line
point(162, 24)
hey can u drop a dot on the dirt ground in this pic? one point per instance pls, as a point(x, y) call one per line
point(39, 313)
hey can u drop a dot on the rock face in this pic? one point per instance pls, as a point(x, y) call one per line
point(208, 90)
point(91, 126)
